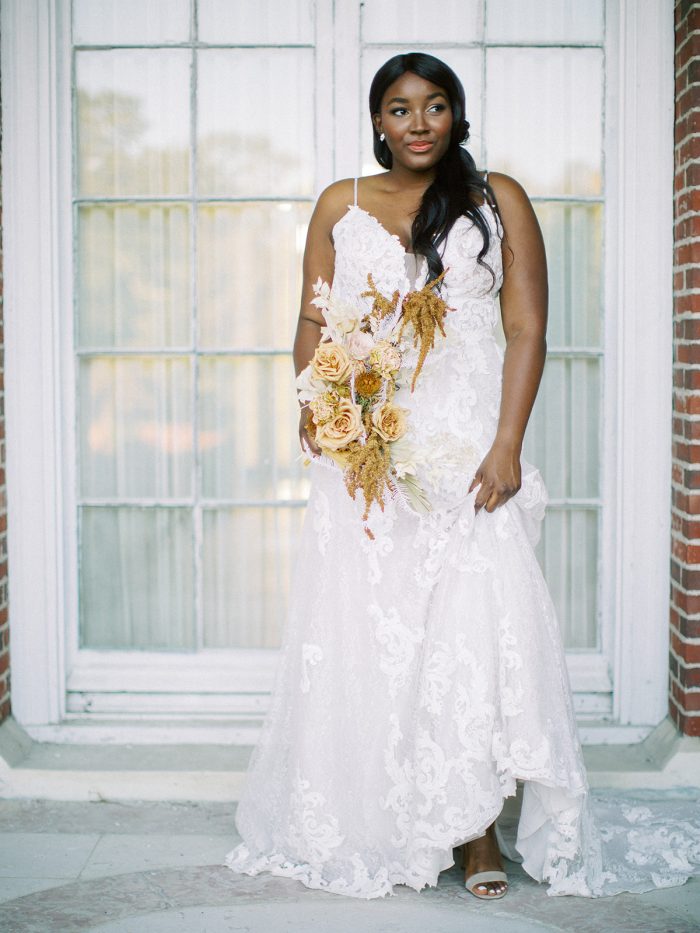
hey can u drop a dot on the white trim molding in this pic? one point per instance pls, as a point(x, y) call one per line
point(34, 276)
point(639, 251)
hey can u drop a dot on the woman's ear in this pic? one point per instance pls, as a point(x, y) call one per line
point(377, 121)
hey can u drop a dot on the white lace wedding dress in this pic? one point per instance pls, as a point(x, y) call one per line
point(422, 673)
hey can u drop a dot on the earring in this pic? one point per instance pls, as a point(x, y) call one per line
point(381, 137)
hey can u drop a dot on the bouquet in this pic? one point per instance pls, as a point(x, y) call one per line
point(350, 384)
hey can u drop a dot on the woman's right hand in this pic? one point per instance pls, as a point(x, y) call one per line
point(306, 441)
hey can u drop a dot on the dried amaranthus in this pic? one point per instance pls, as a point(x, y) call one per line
point(426, 311)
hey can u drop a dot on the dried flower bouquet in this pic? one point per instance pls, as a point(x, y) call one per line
point(349, 386)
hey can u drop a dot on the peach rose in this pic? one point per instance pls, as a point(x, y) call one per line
point(385, 359)
point(330, 362)
point(343, 428)
point(389, 421)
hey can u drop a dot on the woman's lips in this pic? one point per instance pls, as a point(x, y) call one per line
point(420, 147)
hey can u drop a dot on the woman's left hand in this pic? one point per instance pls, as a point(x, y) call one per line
point(499, 475)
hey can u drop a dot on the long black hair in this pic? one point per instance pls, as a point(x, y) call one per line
point(457, 188)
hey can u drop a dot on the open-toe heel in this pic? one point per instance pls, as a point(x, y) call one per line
point(481, 877)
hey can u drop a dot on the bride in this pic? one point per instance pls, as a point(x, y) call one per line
point(422, 673)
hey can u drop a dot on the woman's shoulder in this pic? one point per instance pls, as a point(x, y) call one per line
point(507, 189)
point(333, 202)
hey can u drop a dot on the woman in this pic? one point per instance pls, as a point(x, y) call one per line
point(422, 672)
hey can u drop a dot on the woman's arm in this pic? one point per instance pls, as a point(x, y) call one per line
point(319, 261)
point(524, 297)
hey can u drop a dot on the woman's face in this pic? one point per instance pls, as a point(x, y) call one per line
point(416, 119)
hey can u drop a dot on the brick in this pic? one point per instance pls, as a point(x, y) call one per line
point(693, 70)
point(688, 353)
point(688, 254)
point(684, 628)
point(692, 278)
point(685, 50)
point(691, 430)
point(689, 226)
point(688, 202)
point(688, 700)
point(686, 553)
point(691, 479)
point(688, 725)
point(688, 676)
point(687, 100)
point(688, 304)
point(687, 603)
point(687, 652)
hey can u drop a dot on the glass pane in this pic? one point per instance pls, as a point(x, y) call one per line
point(130, 22)
point(249, 260)
point(466, 63)
point(249, 420)
point(133, 287)
point(259, 141)
point(544, 21)
point(136, 581)
point(408, 21)
point(133, 122)
point(247, 559)
point(568, 554)
point(251, 22)
point(135, 427)
point(545, 128)
point(562, 436)
point(573, 235)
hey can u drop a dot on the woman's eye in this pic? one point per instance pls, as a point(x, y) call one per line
point(438, 107)
point(399, 111)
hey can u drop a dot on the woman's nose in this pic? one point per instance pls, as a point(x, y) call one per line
point(418, 122)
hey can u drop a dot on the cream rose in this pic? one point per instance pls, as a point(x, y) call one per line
point(330, 362)
point(385, 359)
point(359, 344)
point(343, 428)
point(389, 421)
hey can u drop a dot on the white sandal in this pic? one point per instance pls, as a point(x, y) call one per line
point(481, 877)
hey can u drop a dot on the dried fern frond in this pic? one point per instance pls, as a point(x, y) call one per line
point(426, 312)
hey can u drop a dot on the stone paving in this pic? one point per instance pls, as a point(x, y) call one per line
point(156, 868)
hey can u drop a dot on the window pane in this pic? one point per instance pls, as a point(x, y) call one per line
point(133, 122)
point(247, 558)
point(545, 128)
point(249, 260)
point(573, 235)
point(249, 422)
point(410, 21)
point(136, 581)
point(256, 138)
point(466, 63)
point(134, 275)
point(130, 22)
point(568, 553)
point(544, 21)
point(136, 427)
point(250, 22)
point(562, 434)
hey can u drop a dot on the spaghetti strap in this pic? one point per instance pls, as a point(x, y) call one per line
point(355, 192)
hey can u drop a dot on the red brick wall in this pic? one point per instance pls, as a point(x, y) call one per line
point(684, 674)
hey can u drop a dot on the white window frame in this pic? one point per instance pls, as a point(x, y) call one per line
point(620, 692)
